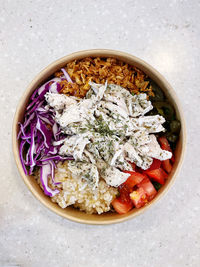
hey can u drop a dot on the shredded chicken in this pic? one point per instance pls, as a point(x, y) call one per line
point(106, 131)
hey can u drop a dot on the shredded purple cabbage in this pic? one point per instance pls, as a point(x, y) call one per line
point(45, 172)
point(38, 133)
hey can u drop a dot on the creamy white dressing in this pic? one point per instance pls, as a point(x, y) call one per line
point(106, 131)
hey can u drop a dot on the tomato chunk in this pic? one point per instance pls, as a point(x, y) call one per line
point(167, 166)
point(158, 175)
point(121, 207)
point(164, 143)
point(172, 159)
point(155, 165)
point(134, 178)
point(124, 191)
point(133, 165)
point(148, 187)
point(166, 146)
point(139, 197)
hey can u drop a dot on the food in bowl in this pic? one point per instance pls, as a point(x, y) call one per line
point(100, 136)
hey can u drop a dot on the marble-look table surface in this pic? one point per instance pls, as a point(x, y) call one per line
point(166, 34)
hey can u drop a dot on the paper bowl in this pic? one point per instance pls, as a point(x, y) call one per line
point(70, 212)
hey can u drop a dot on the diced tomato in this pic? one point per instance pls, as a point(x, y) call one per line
point(121, 207)
point(134, 178)
point(164, 143)
point(172, 159)
point(158, 175)
point(155, 165)
point(166, 146)
point(133, 165)
point(148, 187)
point(124, 191)
point(139, 197)
point(167, 166)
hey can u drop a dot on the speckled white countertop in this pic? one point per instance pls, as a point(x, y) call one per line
point(166, 34)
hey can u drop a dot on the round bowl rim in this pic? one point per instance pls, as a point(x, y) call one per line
point(61, 61)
